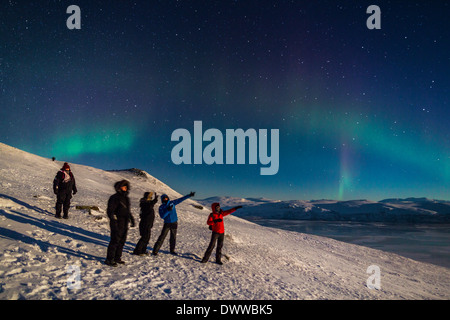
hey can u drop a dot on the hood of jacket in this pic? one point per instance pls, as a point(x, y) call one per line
point(120, 184)
point(213, 207)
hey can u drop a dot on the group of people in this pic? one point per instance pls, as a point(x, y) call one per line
point(119, 214)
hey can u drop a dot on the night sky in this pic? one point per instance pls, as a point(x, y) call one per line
point(362, 114)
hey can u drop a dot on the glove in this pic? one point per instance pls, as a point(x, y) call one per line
point(192, 194)
point(238, 207)
point(210, 228)
point(74, 193)
point(218, 220)
point(132, 224)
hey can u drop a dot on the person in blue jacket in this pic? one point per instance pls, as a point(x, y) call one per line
point(168, 212)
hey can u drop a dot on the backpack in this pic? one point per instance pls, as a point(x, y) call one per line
point(210, 221)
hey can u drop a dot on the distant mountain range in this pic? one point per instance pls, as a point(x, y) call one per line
point(414, 210)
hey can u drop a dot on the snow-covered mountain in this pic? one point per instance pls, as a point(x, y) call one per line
point(389, 210)
point(37, 251)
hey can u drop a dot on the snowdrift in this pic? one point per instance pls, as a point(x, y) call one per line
point(410, 210)
point(46, 258)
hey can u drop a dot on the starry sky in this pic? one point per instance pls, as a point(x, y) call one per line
point(361, 114)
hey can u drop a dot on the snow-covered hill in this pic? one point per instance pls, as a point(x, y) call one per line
point(389, 210)
point(37, 250)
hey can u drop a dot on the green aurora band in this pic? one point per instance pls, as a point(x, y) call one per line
point(350, 132)
point(93, 141)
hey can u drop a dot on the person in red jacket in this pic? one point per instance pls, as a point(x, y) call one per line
point(215, 222)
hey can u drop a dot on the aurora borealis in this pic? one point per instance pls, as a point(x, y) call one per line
point(362, 114)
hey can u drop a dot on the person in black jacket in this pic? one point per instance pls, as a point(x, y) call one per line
point(145, 225)
point(63, 186)
point(119, 215)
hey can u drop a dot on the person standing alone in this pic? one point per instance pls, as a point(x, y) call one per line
point(63, 186)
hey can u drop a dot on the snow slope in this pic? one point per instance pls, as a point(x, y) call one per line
point(389, 210)
point(261, 263)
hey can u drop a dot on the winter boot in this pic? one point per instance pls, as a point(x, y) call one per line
point(111, 263)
